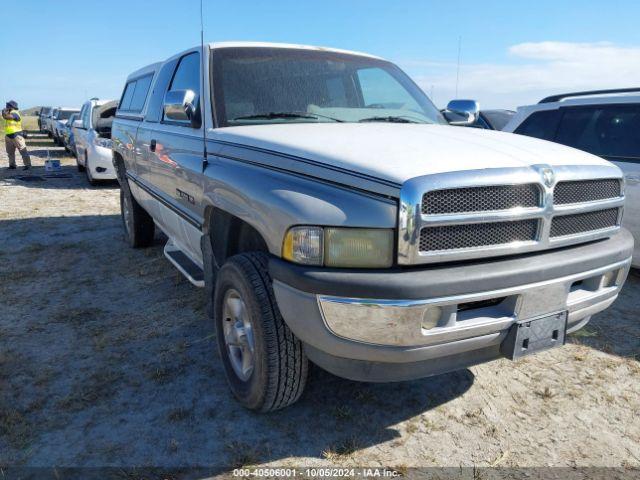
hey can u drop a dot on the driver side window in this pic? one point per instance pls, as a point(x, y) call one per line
point(381, 90)
point(187, 76)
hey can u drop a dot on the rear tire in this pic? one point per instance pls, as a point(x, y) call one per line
point(244, 302)
point(138, 225)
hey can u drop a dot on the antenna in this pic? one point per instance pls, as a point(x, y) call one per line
point(458, 66)
point(202, 103)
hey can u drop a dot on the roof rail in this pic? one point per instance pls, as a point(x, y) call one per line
point(557, 98)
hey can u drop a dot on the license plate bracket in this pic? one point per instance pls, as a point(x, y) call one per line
point(529, 336)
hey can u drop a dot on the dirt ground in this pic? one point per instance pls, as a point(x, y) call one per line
point(106, 359)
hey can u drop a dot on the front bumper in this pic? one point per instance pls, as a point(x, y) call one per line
point(101, 163)
point(369, 325)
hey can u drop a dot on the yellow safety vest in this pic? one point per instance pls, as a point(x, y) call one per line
point(12, 126)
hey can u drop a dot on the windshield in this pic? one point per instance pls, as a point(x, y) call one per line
point(65, 114)
point(278, 85)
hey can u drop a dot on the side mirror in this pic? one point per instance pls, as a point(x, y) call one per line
point(77, 124)
point(180, 105)
point(462, 112)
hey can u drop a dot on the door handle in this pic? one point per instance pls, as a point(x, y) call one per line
point(152, 145)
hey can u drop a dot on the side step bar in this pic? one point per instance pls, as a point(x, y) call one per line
point(183, 263)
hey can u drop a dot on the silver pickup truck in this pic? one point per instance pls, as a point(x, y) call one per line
point(333, 214)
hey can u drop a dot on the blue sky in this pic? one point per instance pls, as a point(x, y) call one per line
point(513, 52)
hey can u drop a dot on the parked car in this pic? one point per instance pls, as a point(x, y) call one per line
point(495, 119)
point(67, 134)
point(92, 136)
point(605, 123)
point(45, 120)
point(487, 119)
point(331, 214)
point(59, 121)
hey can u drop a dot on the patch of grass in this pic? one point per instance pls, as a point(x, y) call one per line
point(242, 454)
point(15, 276)
point(364, 396)
point(43, 377)
point(161, 374)
point(545, 394)
point(77, 316)
point(98, 388)
point(173, 445)
point(411, 428)
point(342, 412)
point(342, 450)
point(100, 341)
point(34, 248)
point(585, 332)
point(179, 414)
point(15, 427)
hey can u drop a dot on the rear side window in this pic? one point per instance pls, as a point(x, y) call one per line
point(140, 93)
point(609, 131)
point(125, 101)
point(135, 94)
point(540, 125)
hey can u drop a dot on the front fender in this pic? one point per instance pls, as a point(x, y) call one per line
point(272, 201)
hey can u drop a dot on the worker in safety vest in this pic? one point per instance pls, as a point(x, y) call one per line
point(14, 136)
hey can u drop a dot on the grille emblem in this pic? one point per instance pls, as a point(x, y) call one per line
point(548, 176)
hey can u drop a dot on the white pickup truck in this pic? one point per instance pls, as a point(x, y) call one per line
point(333, 214)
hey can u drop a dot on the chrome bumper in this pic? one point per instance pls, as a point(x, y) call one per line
point(419, 323)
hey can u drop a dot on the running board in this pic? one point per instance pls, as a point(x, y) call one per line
point(183, 263)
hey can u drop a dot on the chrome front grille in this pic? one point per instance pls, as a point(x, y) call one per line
point(473, 235)
point(481, 199)
point(584, 222)
point(483, 213)
point(581, 191)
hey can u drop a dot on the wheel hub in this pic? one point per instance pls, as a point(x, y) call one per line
point(238, 335)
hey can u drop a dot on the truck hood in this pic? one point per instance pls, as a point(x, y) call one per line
point(397, 152)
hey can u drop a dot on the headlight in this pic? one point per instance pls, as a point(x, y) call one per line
point(304, 245)
point(339, 247)
point(102, 142)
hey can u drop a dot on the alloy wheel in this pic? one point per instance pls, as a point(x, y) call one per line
point(238, 335)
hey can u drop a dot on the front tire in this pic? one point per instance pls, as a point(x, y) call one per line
point(138, 225)
point(80, 167)
point(264, 362)
point(87, 170)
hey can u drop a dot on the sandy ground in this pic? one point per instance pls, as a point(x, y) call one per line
point(106, 359)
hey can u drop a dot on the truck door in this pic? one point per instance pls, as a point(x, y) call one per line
point(80, 133)
point(172, 156)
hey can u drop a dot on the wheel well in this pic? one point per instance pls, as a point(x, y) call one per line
point(230, 235)
point(118, 163)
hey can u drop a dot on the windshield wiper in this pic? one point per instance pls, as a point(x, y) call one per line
point(274, 115)
point(390, 119)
